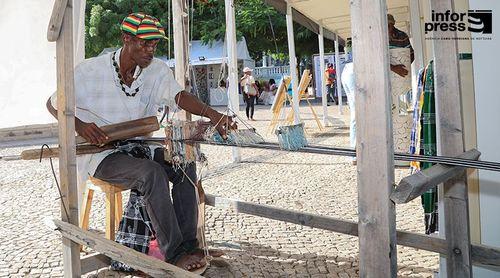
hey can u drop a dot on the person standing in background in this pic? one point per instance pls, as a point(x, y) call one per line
point(398, 39)
point(348, 83)
point(250, 90)
point(330, 77)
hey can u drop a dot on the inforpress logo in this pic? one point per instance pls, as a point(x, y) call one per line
point(475, 21)
point(481, 21)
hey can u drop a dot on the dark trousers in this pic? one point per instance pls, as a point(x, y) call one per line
point(250, 106)
point(332, 93)
point(174, 221)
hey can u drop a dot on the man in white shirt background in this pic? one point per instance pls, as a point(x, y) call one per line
point(129, 84)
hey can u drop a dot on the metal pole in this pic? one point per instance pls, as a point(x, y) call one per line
point(321, 40)
point(337, 69)
point(416, 35)
point(293, 63)
point(232, 92)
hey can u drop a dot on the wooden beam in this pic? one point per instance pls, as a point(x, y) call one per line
point(94, 262)
point(482, 255)
point(450, 142)
point(116, 251)
point(120, 131)
point(181, 41)
point(417, 184)
point(55, 152)
point(56, 20)
point(375, 153)
point(127, 130)
point(67, 156)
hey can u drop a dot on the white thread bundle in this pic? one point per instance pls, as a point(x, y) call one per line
point(291, 137)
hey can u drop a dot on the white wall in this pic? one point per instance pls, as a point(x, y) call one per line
point(28, 65)
point(486, 58)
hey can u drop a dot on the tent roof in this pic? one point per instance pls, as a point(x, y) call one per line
point(335, 14)
point(206, 54)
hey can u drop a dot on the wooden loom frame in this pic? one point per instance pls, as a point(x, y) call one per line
point(376, 226)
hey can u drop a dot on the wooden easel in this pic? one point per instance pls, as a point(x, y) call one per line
point(279, 102)
point(302, 90)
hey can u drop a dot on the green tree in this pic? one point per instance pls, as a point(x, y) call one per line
point(254, 20)
point(103, 18)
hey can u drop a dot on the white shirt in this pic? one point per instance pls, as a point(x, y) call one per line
point(100, 99)
point(247, 84)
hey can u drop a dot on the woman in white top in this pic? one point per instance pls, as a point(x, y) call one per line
point(250, 90)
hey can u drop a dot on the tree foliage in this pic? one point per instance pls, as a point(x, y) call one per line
point(254, 20)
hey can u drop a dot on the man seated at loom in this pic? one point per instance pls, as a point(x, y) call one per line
point(130, 84)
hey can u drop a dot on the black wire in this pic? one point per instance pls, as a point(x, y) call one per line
point(165, 112)
point(55, 178)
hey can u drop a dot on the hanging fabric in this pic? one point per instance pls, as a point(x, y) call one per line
point(423, 141)
point(429, 198)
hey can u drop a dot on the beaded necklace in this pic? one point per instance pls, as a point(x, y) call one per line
point(117, 69)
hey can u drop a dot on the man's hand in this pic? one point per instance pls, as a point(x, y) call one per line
point(223, 123)
point(91, 132)
point(400, 70)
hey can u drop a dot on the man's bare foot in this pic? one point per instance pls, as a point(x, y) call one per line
point(191, 262)
point(212, 252)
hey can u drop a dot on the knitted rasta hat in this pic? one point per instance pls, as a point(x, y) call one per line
point(143, 26)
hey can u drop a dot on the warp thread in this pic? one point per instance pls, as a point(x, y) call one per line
point(177, 151)
point(236, 137)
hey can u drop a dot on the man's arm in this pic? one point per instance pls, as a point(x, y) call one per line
point(193, 105)
point(400, 70)
point(90, 131)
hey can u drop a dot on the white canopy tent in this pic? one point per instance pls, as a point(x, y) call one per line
point(334, 15)
point(214, 53)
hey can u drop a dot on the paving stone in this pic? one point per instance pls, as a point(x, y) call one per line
point(255, 247)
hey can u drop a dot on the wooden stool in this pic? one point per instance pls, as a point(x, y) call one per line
point(114, 208)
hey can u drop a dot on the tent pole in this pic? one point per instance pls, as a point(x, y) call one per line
point(293, 63)
point(416, 35)
point(337, 69)
point(321, 41)
point(232, 91)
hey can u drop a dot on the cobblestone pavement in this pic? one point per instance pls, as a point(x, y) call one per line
point(255, 247)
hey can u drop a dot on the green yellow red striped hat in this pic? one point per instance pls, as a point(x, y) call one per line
point(143, 26)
